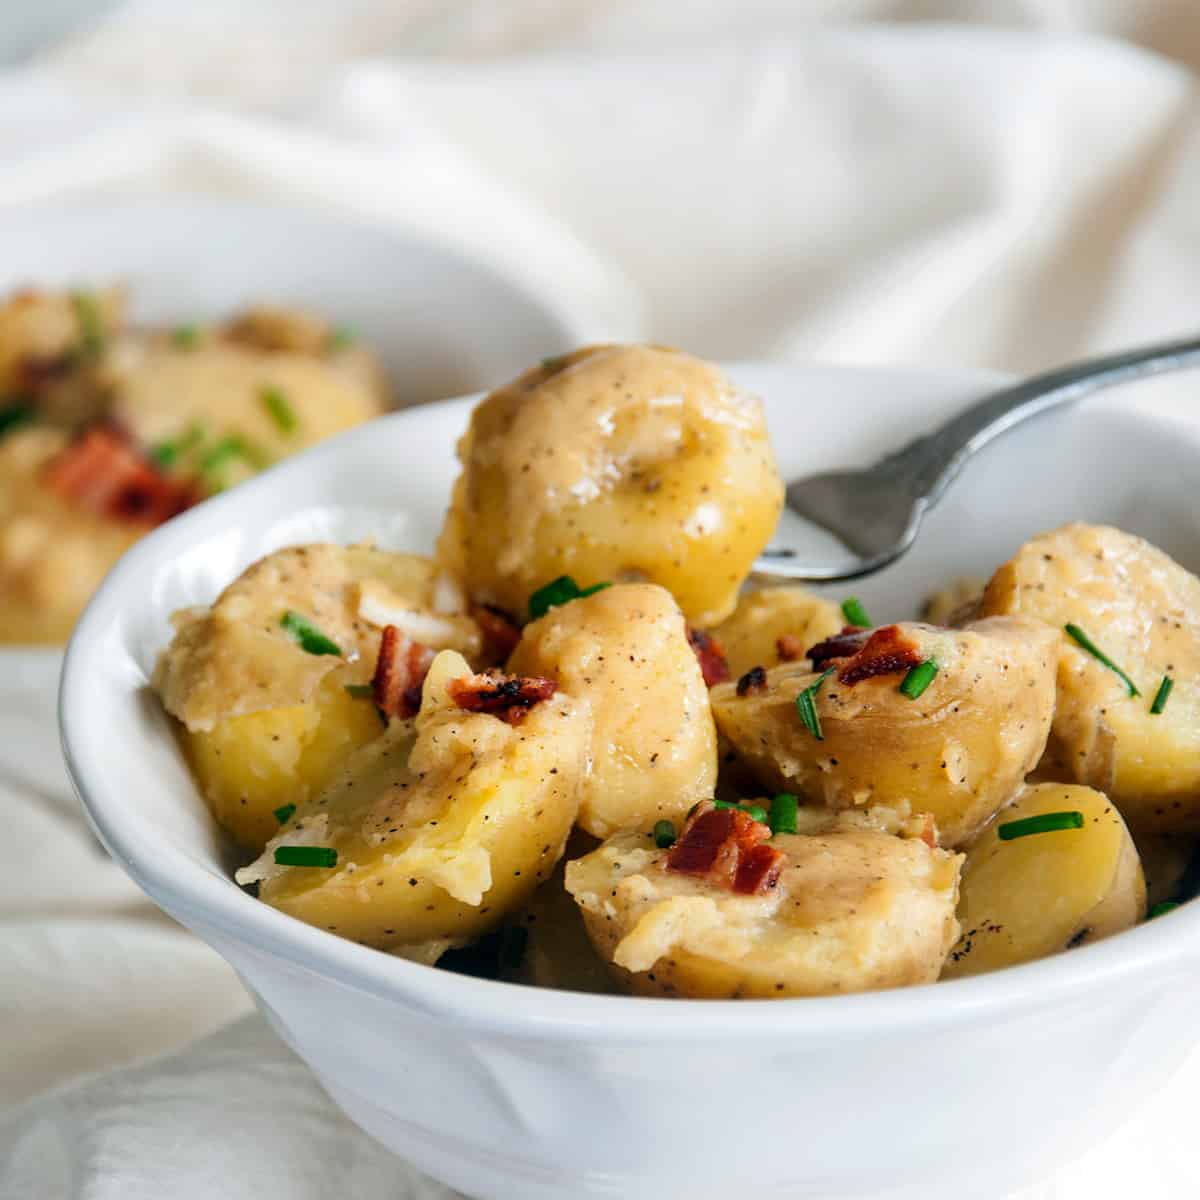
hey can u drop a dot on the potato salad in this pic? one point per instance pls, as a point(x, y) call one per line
point(577, 748)
point(107, 430)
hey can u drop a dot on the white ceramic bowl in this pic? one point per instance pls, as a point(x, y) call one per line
point(952, 1090)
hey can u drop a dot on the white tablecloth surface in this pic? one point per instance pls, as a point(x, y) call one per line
point(1007, 191)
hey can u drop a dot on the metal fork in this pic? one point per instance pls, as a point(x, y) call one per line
point(877, 512)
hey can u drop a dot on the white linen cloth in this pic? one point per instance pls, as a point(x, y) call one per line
point(723, 176)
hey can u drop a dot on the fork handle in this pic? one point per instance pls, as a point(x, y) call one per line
point(931, 463)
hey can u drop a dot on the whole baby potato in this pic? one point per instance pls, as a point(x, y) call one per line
point(959, 750)
point(441, 829)
point(1142, 610)
point(265, 722)
point(614, 462)
point(624, 652)
point(855, 909)
point(1036, 895)
point(774, 625)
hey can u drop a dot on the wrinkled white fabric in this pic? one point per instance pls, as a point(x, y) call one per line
point(734, 177)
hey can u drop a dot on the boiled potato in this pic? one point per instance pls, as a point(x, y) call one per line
point(955, 604)
point(624, 651)
point(264, 722)
point(53, 554)
point(959, 751)
point(440, 829)
point(614, 462)
point(750, 637)
point(855, 909)
point(1143, 611)
point(1036, 895)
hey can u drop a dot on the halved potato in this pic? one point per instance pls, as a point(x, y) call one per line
point(266, 723)
point(624, 651)
point(1143, 611)
point(441, 828)
point(750, 636)
point(855, 909)
point(614, 462)
point(959, 751)
point(1037, 895)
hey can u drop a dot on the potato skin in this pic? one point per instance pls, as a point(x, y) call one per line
point(960, 751)
point(624, 651)
point(615, 462)
point(1143, 610)
point(1038, 895)
point(441, 829)
point(854, 910)
point(749, 636)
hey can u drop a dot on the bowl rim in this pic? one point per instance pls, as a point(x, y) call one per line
point(214, 905)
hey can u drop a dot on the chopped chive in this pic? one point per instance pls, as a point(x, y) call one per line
point(806, 706)
point(91, 323)
point(918, 679)
point(283, 813)
point(664, 834)
point(276, 403)
point(360, 691)
point(1077, 635)
point(559, 591)
point(1163, 906)
point(784, 810)
point(1160, 697)
point(1043, 823)
point(311, 639)
point(342, 337)
point(554, 362)
point(756, 811)
point(14, 415)
point(306, 856)
point(855, 614)
point(515, 943)
point(166, 454)
point(186, 337)
point(228, 449)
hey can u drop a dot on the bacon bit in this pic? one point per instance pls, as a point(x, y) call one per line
point(843, 645)
point(928, 832)
point(886, 652)
point(789, 648)
point(400, 672)
point(724, 846)
point(709, 655)
point(509, 697)
point(754, 680)
point(104, 472)
point(500, 631)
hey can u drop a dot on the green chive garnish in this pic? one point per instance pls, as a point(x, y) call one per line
point(284, 812)
point(341, 337)
point(306, 856)
point(554, 362)
point(276, 403)
point(784, 809)
point(311, 639)
point(918, 679)
point(166, 454)
point(559, 591)
point(186, 337)
point(1077, 635)
point(664, 834)
point(1043, 823)
point(228, 449)
point(855, 614)
point(91, 323)
point(1160, 697)
point(360, 691)
point(751, 810)
point(1163, 906)
point(13, 416)
point(806, 706)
